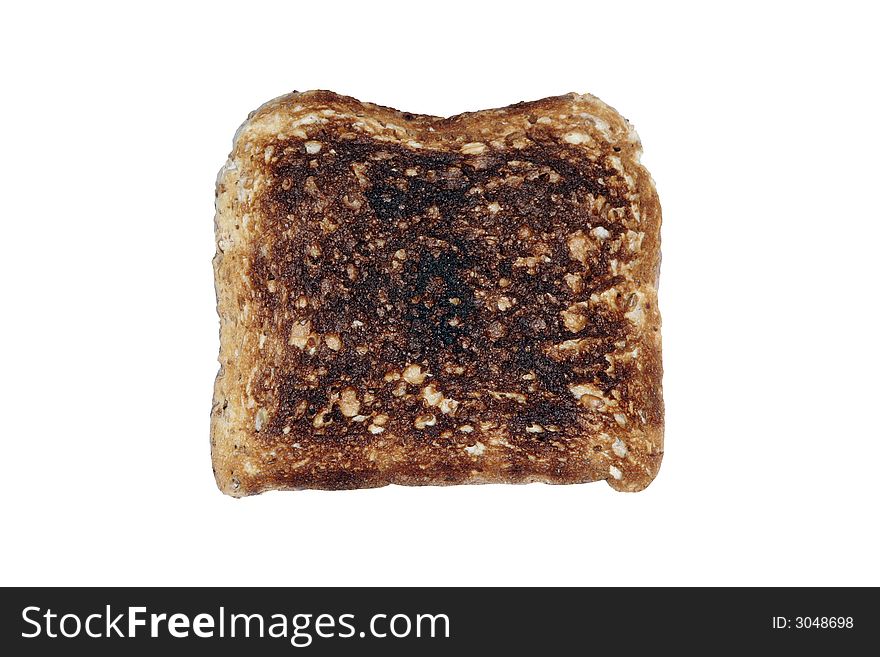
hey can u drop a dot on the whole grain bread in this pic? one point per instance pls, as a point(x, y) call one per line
point(418, 300)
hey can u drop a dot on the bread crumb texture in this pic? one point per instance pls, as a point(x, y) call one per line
point(419, 300)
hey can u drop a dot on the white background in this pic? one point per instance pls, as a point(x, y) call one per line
point(759, 124)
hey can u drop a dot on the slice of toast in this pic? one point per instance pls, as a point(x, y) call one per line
point(417, 300)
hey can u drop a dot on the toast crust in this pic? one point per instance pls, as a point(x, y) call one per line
point(419, 300)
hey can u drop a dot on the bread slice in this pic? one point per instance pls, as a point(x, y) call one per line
point(408, 299)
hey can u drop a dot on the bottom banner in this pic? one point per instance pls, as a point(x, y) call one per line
point(431, 621)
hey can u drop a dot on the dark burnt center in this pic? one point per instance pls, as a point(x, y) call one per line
point(379, 257)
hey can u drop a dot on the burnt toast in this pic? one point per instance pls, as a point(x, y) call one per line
point(416, 300)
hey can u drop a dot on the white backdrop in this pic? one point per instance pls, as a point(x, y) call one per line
point(759, 124)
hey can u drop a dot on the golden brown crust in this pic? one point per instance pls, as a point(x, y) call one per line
point(419, 300)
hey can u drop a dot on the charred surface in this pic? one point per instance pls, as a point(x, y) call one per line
point(414, 257)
